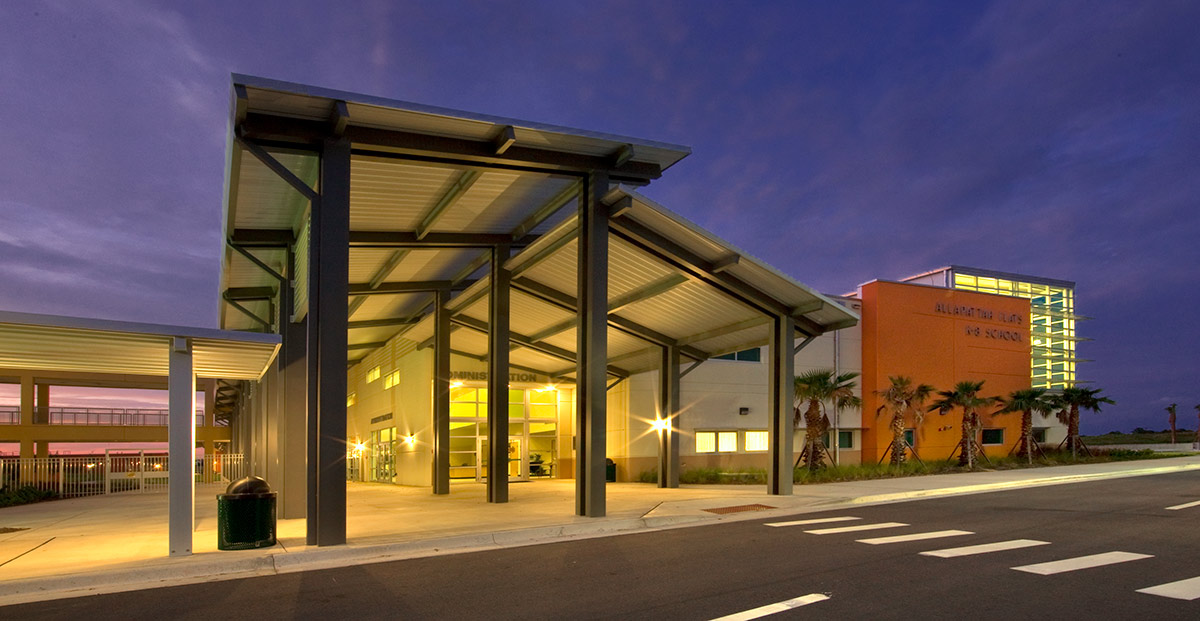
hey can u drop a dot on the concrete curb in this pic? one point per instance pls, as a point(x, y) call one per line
point(175, 572)
point(1006, 485)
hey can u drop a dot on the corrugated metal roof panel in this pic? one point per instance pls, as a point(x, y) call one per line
point(393, 195)
point(50, 342)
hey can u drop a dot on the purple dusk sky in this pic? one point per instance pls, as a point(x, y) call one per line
point(841, 142)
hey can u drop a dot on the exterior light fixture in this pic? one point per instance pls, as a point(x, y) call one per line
point(661, 424)
point(743, 411)
point(410, 439)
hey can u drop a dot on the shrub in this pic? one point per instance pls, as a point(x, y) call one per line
point(10, 497)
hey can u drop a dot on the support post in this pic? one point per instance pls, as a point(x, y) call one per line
point(293, 366)
point(27, 392)
point(779, 406)
point(441, 393)
point(668, 408)
point(43, 449)
point(210, 403)
point(590, 391)
point(329, 261)
point(41, 414)
point(181, 447)
point(497, 407)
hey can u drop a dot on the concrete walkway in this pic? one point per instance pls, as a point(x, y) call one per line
point(118, 542)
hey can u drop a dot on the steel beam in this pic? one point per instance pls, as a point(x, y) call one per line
point(497, 407)
point(260, 126)
point(591, 407)
point(549, 208)
point(181, 447)
point(637, 295)
point(382, 323)
point(780, 426)
point(413, 239)
point(668, 408)
point(441, 394)
point(329, 261)
point(632, 328)
point(452, 194)
point(250, 294)
point(416, 286)
point(278, 168)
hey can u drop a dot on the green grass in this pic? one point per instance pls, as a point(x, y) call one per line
point(1182, 436)
point(863, 472)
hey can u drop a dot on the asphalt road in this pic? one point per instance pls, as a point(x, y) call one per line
point(712, 571)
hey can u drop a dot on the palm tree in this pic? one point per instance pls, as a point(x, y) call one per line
point(1068, 404)
point(965, 396)
point(817, 388)
point(901, 398)
point(1171, 420)
point(1027, 402)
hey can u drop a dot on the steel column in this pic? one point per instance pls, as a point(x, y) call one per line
point(441, 393)
point(781, 360)
point(498, 350)
point(668, 408)
point(294, 364)
point(329, 265)
point(592, 358)
point(181, 447)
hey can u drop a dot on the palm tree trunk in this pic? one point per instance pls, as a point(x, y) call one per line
point(1073, 431)
point(968, 450)
point(812, 432)
point(1027, 434)
point(897, 440)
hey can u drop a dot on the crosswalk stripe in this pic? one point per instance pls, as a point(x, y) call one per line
point(845, 518)
point(1186, 505)
point(856, 528)
point(770, 609)
point(984, 548)
point(1181, 589)
point(1082, 562)
point(937, 534)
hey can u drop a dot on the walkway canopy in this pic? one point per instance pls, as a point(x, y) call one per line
point(354, 223)
point(31, 343)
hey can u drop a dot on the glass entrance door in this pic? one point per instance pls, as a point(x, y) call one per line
point(518, 466)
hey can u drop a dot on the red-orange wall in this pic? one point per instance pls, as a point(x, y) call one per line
point(940, 337)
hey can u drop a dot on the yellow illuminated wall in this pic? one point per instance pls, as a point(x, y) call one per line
point(1051, 324)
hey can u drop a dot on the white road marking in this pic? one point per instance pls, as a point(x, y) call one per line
point(813, 521)
point(999, 546)
point(1186, 505)
point(770, 609)
point(1082, 562)
point(851, 529)
point(937, 534)
point(1183, 589)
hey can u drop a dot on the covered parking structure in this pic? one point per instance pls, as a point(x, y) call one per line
point(355, 223)
point(32, 343)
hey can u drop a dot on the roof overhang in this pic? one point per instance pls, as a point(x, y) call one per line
point(34, 342)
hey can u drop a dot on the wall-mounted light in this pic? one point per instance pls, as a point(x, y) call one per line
point(661, 424)
point(743, 411)
point(410, 439)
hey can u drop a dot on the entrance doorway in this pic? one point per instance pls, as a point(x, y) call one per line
point(532, 433)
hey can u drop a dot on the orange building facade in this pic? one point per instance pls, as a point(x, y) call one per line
point(942, 336)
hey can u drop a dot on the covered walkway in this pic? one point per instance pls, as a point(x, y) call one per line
point(356, 224)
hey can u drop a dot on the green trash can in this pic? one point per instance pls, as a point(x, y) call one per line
point(246, 515)
point(610, 470)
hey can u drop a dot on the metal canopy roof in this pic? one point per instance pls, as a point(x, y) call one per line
point(651, 298)
point(425, 182)
point(51, 342)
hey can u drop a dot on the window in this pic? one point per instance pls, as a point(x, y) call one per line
point(727, 441)
point(706, 442)
point(993, 436)
point(372, 375)
point(910, 436)
point(746, 355)
point(845, 439)
point(756, 441)
point(716, 441)
point(351, 399)
point(392, 380)
point(1039, 435)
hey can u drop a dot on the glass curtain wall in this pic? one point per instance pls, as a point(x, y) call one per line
point(1051, 325)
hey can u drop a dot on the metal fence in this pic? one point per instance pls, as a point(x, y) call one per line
point(111, 417)
point(139, 472)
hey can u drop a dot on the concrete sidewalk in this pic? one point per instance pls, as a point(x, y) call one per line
point(116, 543)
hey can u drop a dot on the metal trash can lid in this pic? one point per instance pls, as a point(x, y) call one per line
point(256, 487)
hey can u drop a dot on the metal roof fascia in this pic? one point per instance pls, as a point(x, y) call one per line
point(396, 104)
